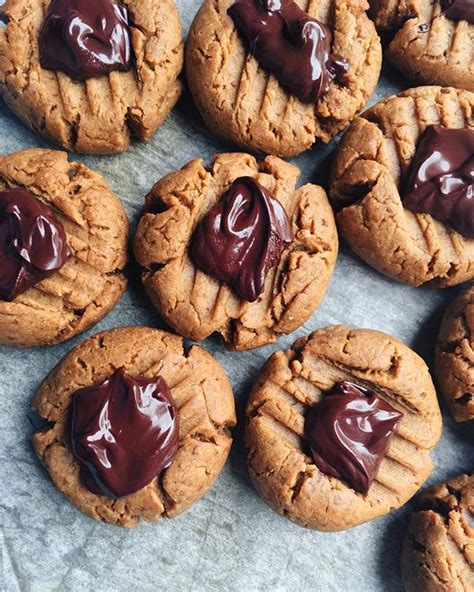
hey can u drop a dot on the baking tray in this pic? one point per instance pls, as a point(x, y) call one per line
point(230, 540)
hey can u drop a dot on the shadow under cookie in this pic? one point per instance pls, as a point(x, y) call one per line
point(102, 113)
point(428, 44)
point(454, 361)
point(280, 437)
point(242, 102)
point(201, 394)
point(372, 167)
point(437, 553)
point(194, 302)
point(91, 280)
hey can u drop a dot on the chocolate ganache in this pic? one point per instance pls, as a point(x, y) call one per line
point(124, 432)
point(349, 432)
point(32, 242)
point(290, 44)
point(242, 237)
point(458, 10)
point(85, 39)
point(441, 178)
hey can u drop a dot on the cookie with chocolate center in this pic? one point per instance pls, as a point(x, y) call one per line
point(274, 77)
point(438, 553)
point(139, 427)
point(454, 362)
point(431, 41)
point(339, 428)
point(236, 248)
point(63, 247)
point(91, 75)
point(402, 183)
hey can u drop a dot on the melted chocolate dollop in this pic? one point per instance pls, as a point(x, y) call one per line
point(458, 10)
point(349, 432)
point(32, 242)
point(85, 38)
point(441, 179)
point(242, 237)
point(290, 44)
point(124, 432)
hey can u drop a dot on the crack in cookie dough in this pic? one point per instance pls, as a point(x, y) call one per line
point(204, 399)
point(438, 554)
point(197, 305)
point(443, 54)
point(291, 382)
point(100, 114)
point(242, 102)
point(369, 167)
point(454, 363)
point(91, 282)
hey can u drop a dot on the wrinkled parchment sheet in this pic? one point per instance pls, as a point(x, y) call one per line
point(230, 540)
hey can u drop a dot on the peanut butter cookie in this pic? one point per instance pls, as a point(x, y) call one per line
point(91, 86)
point(455, 356)
point(236, 248)
point(279, 94)
point(411, 220)
point(187, 409)
point(63, 246)
point(339, 428)
point(438, 554)
point(432, 40)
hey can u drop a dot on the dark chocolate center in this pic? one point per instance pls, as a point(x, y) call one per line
point(458, 10)
point(85, 38)
point(32, 242)
point(441, 178)
point(290, 45)
point(349, 432)
point(124, 432)
point(242, 237)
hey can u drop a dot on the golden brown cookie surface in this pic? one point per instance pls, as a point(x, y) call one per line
point(91, 281)
point(369, 168)
point(438, 554)
point(455, 356)
point(203, 396)
point(197, 305)
point(241, 102)
point(99, 115)
point(292, 382)
point(427, 46)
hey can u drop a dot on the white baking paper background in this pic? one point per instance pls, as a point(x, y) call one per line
point(230, 540)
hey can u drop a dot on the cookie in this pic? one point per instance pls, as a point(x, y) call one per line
point(98, 114)
point(182, 210)
point(438, 553)
point(72, 277)
point(198, 444)
point(415, 230)
point(454, 362)
point(241, 101)
point(345, 380)
point(431, 40)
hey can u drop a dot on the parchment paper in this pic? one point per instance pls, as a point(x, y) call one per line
point(230, 540)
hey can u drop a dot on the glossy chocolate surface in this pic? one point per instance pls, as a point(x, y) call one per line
point(242, 237)
point(458, 10)
point(32, 242)
point(441, 178)
point(124, 432)
point(85, 39)
point(290, 45)
point(349, 432)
